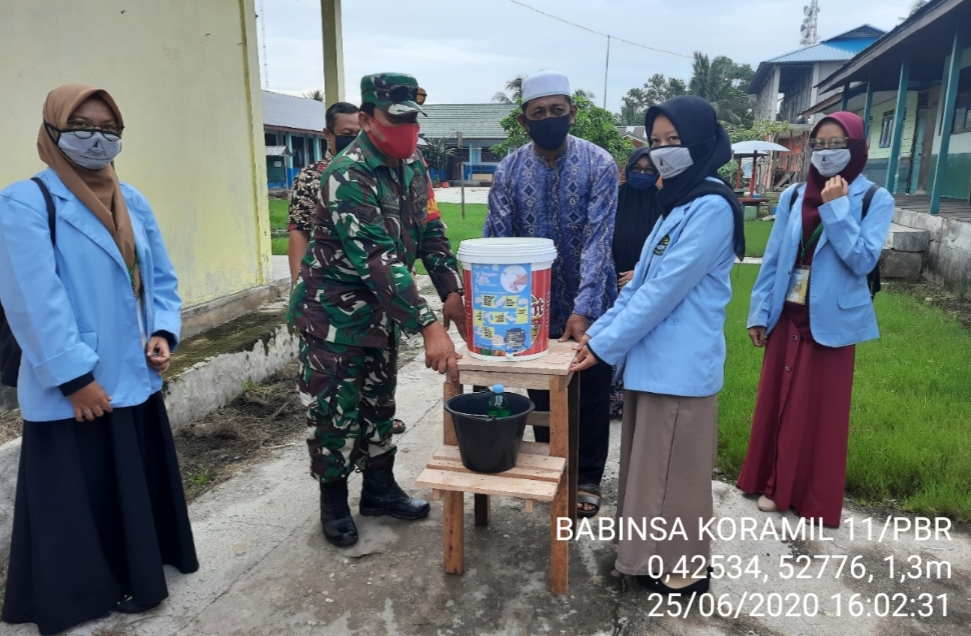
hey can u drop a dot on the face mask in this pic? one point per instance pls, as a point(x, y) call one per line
point(93, 153)
point(343, 141)
point(671, 161)
point(830, 163)
point(549, 133)
point(642, 180)
point(399, 141)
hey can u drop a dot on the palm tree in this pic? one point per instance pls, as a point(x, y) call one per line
point(515, 91)
point(720, 81)
point(317, 95)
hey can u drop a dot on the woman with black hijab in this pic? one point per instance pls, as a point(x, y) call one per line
point(667, 327)
point(636, 216)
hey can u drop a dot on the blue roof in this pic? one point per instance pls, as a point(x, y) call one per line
point(840, 48)
point(829, 51)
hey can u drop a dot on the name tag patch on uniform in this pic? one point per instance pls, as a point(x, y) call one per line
point(798, 286)
point(662, 246)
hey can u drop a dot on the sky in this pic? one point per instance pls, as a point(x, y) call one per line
point(463, 51)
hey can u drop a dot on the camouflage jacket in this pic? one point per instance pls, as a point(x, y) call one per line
point(355, 285)
point(305, 194)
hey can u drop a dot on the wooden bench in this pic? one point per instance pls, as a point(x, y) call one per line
point(543, 472)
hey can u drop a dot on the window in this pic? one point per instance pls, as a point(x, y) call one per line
point(886, 129)
point(269, 138)
point(962, 107)
point(489, 157)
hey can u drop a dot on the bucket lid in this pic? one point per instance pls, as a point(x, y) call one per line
point(507, 250)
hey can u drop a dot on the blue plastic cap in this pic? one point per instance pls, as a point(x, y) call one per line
point(498, 388)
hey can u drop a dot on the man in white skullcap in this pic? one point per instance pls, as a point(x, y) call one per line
point(564, 188)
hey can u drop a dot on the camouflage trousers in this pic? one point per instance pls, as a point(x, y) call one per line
point(349, 394)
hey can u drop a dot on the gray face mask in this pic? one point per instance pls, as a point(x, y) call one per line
point(671, 160)
point(830, 163)
point(93, 153)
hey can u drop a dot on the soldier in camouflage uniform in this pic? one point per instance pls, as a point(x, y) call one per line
point(355, 294)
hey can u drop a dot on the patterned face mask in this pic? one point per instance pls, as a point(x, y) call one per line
point(671, 160)
point(830, 163)
point(94, 152)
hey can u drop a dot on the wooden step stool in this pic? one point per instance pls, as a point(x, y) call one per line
point(544, 472)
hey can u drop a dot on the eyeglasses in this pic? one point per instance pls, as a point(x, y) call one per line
point(397, 94)
point(84, 130)
point(639, 170)
point(421, 96)
point(833, 143)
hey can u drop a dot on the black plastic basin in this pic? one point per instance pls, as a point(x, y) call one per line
point(488, 444)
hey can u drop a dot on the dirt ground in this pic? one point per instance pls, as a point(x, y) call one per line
point(936, 295)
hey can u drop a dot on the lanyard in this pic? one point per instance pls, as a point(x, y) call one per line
point(812, 241)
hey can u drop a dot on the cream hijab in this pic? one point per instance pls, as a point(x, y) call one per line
point(98, 190)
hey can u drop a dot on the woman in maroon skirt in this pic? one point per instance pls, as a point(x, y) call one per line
point(811, 304)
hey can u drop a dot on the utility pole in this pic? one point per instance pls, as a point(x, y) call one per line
point(458, 146)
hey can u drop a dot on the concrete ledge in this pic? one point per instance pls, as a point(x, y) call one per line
point(212, 369)
point(199, 318)
point(947, 260)
point(906, 239)
point(894, 264)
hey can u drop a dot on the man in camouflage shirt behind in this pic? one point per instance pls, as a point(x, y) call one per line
point(354, 295)
point(340, 128)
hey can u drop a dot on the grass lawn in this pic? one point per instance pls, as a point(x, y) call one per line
point(756, 236)
point(278, 221)
point(909, 445)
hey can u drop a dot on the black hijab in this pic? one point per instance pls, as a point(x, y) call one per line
point(637, 213)
point(697, 125)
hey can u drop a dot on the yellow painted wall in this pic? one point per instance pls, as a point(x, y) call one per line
point(185, 75)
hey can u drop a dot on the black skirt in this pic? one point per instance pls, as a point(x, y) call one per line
point(99, 510)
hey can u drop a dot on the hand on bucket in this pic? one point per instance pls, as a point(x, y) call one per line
point(440, 351)
point(454, 311)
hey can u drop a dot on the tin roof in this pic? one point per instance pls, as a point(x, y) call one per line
point(840, 48)
point(474, 121)
point(297, 113)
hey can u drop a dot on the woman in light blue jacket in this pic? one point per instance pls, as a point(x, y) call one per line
point(811, 305)
point(91, 297)
point(668, 326)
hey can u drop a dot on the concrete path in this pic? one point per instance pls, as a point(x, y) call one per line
point(454, 195)
point(266, 569)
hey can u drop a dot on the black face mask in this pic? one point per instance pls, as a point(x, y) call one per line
point(343, 141)
point(549, 133)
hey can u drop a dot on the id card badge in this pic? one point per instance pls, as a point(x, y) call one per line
point(798, 286)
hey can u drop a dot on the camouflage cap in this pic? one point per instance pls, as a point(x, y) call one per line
point(394, 93)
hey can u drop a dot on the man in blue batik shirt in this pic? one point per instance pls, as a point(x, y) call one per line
point(564, 188)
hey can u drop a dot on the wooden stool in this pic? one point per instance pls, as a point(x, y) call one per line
point(543, 472)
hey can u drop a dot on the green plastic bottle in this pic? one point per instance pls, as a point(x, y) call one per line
point(498, 406)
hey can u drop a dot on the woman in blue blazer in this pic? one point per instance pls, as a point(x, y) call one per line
point(95, 308)
point(668, 327)
point(811, 305)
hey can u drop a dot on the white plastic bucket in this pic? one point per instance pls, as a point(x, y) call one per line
point(507, 293)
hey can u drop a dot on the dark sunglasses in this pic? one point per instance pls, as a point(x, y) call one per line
point(397, 94)
point(421, 96)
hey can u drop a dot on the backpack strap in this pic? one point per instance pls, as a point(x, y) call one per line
point(794, 196)
point(868, 199)
point(51, 210)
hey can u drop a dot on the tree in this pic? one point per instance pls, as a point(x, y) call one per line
point(592, 123)
point(514, 91)
point(317, 95)
point(723, 83)
point(656, 90)
point(437, 153)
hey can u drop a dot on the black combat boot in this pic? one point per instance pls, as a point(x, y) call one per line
point(335, 515)
point(382, 495)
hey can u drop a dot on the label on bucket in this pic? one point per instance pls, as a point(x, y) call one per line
point(501, 307)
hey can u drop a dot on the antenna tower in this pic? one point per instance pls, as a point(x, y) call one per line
point(808, 28)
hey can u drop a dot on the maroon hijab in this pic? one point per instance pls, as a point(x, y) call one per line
point(852, 124)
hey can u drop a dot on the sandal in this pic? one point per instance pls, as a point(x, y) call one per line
point(398, 427)
point(588, 494)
